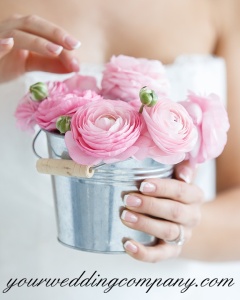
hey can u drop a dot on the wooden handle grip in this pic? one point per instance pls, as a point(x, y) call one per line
point(63, 167)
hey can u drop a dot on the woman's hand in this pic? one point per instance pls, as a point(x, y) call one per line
point(31, 43)
point(166, 209)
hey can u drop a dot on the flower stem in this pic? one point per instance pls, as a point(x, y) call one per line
point(141, 108)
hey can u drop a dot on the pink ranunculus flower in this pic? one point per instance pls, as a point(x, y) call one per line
point(56, 88)
point(88, 94)
point(211, 119)
point(25, 113)
point(81, 83)
point(172, 131)
point(104, 131)
point(124, 76)
point(27, 108)
point(60, 105)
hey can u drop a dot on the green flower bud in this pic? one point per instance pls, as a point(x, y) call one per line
point(38, 91)
point(145, 95)
point(63, 124)
point(148, 97)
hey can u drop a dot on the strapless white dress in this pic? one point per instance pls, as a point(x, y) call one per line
point(28, 244)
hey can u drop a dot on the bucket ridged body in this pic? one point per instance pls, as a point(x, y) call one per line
point(88, 209)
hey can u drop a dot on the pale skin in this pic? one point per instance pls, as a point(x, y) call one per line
point(34, 39)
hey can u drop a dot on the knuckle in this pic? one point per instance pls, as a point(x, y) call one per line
point(149, 204)
point(14, 16)
point(141, 254)
point(195, 215)
point(58, 33)
point(176, 211)
point(162, 186)
point(143, 223)
point(180, 189)
point(11, 33)
point(171, 232)
point(36, 43)
point(29, 19)
point(145, 256)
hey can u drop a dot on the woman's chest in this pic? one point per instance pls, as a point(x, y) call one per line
point(156, 29)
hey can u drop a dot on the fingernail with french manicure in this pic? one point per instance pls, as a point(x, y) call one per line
point(7, 41)
point(186, 174)
point(55, 49)
point(129, 217)
point(130, 247)
point(147, 187)
point(73, 43)
point(130, 200)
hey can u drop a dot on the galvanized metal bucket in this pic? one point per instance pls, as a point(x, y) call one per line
point(88, 209)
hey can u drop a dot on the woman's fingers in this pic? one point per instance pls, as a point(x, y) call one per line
point(166, 209)
point(6, 46)
point(161, 229)
point(159, 252)
point(37, 26)
point(165, 199)
point(171, 210)
point(172, 189)
point(184, 171)
point(34, 43)
point(45, 49)
point(45, 42)
point(36, 62)
point(69, 61)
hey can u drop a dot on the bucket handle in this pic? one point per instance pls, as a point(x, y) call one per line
point(61, 167)
point(34, 142)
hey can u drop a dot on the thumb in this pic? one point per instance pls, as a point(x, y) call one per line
point(185, 171)
point(6, 45)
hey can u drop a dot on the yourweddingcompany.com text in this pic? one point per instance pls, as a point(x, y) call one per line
point(108, 284)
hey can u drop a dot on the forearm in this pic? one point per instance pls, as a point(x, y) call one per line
point(218, 235)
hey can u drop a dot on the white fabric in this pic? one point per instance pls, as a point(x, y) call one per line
point(28, 244)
